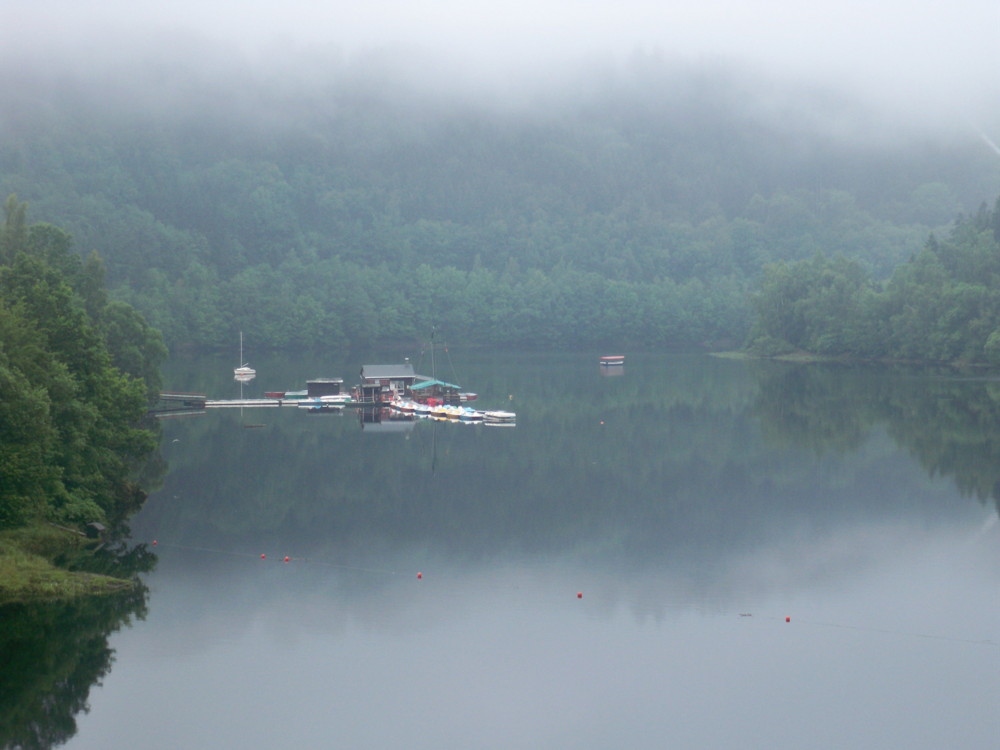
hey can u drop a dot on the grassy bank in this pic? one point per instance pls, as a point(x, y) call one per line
point(32, 566)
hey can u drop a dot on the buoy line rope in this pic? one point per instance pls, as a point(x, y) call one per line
point(909, 633)
point(579, 595)
point(280, 558)
point(886, 631)
point(341, 566)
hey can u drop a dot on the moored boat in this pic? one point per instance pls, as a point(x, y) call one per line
point(336, 398)
point(404, 405)
point(440, 411)
point(613, 360)
point(499, 416)
point(244, 373)
point(314, 406)
point(331, 401)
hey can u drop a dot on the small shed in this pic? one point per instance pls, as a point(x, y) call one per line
point(324, 387)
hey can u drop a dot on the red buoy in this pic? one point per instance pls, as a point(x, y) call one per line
point(154, 542)
point(419, 576)
point(579, 595)
point(263, 556)
point(286, 558)
point(788, 619)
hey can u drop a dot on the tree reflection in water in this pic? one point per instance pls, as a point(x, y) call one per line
point(948, 421)
point(51, 653)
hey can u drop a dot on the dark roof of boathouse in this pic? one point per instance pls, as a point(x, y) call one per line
point(387, 372)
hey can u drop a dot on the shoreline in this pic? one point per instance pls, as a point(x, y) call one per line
point(29, 571)
point(809, 358)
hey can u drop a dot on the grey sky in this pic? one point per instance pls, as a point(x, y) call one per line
point(919, 53)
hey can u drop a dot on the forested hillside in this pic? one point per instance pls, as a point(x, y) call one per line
point(942, 305)
point(343, 207)
point(77, 374)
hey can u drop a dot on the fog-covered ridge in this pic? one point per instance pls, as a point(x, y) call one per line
point(602, 191)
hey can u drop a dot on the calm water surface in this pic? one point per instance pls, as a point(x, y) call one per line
point(695, 553)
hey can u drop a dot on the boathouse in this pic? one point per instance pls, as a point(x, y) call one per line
point(381, 383)
point(324, 387)
point(436, 390)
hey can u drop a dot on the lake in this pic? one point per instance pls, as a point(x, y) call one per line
point(692, 552)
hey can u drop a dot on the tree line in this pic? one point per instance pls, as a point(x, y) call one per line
point(641, 212)
point(78, 371)
point(942, 305)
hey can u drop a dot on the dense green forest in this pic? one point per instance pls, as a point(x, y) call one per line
point(335, 207)
point(77, 373)
point(942, 305)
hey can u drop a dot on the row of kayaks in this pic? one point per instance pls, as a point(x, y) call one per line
point(406, 406)
point(454, 412)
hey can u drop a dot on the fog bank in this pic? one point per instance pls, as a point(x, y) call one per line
point(918, 61)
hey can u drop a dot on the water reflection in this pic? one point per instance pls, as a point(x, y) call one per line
point(385, 420)
point(51, 655)
point(947, 422)
point(676, 499)
point(687, 460)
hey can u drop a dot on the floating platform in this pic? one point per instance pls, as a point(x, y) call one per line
point(185, 399)
point(253, 402)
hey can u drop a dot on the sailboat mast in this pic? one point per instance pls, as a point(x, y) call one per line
point(433, 369)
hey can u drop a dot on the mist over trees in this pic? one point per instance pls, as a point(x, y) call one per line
point(334, 205)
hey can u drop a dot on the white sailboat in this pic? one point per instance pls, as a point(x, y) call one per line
point(244, 372)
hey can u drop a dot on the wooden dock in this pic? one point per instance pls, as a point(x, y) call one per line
point(252, 402)
point(183, 400)
point(187, 403)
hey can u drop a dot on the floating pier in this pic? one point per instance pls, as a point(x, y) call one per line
point(183, 400)
point(255, 402)
point(188, 403)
